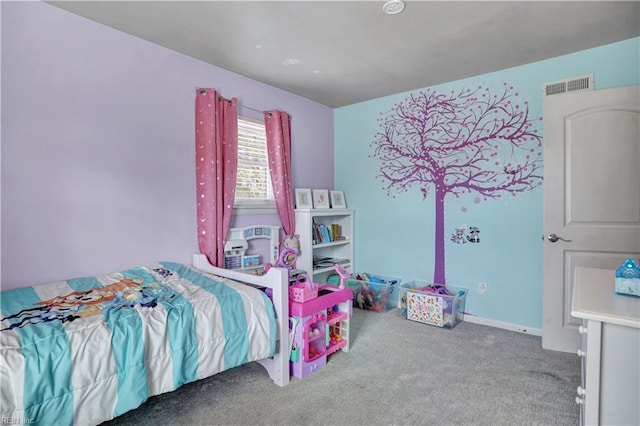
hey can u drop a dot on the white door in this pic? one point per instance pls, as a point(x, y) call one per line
point(591, 196)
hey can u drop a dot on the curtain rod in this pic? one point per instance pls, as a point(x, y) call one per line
point(203, 91)
point(252, 109)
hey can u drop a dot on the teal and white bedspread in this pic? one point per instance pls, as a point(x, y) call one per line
point(86, 350)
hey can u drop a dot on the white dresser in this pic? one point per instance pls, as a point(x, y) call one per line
point(610, 390)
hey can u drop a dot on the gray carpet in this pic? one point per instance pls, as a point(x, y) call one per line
point(397, 372)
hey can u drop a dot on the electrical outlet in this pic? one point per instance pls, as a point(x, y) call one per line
point(482, 288)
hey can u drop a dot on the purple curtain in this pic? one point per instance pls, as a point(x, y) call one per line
point(278, 127)
point(216, 170)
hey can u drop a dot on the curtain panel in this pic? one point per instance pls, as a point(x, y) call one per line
point(216, 170)
point(278, 129)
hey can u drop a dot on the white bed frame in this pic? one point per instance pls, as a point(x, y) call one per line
point(276, 279)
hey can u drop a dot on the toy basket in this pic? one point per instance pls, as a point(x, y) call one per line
point(303, 289)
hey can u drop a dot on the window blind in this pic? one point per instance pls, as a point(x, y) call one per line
point(254, 181)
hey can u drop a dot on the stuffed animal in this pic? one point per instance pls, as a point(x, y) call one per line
point(371, 300)
point(292, 242)
point(288, 254)
point(365, 299)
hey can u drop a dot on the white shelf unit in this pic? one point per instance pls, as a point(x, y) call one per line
point(342, 249)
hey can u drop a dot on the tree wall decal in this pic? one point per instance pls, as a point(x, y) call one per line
point(471, 141)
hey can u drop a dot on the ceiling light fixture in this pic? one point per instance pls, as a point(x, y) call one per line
point(393, 6)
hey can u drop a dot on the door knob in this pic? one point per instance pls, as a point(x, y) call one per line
point(554, 237)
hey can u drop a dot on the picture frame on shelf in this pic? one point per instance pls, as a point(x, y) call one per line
point(320, 198)
point(303, 198)
point(337, 200)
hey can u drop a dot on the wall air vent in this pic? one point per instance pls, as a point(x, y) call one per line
point(575, 84)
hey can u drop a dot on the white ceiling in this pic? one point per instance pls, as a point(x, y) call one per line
point(342, 52)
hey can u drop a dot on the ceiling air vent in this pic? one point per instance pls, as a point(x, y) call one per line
point(575, 84)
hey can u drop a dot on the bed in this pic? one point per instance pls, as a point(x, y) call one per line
point(85, 350)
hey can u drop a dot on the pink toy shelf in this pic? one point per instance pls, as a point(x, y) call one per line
point(320, 325)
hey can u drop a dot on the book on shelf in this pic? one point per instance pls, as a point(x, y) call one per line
point(316, 233)
point(323, 234)
point(336, 230)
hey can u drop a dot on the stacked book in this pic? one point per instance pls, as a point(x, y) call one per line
point(326, 233)
point(327, 262)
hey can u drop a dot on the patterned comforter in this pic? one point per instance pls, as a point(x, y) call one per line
point(86, 350)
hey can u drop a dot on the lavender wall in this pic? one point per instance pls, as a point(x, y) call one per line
point(98, 145)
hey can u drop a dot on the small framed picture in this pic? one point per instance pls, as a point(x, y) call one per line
point(303, 198)
point(320, 198)
point(337, 200)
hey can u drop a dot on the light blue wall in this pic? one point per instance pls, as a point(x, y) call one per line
point(394, 236)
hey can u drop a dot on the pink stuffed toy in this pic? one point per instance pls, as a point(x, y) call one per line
point(292, 242)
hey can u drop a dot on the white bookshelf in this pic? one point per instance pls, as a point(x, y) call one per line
point(337, 249)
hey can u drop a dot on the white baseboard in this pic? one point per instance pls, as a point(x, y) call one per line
point(501, 324)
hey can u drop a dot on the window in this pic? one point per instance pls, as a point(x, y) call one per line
point(253, 187)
